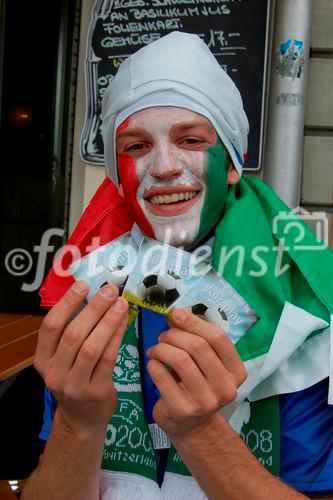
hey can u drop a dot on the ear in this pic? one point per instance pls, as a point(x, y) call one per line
point(233, 175)
point(121, 191)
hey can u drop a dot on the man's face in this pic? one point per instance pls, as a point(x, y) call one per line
point(173, 170)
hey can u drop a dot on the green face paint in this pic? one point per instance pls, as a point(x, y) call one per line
point(217, 187)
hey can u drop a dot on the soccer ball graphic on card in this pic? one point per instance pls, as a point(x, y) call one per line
point(210, 313)
point(116, 276)
point(160, 289)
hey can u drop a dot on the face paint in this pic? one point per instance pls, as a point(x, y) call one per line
point(217, 187)
point(163, 161)
point(130, 183)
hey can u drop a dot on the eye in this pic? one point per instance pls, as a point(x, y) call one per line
point(191, 142)
point(137, 146)
point(135, 149)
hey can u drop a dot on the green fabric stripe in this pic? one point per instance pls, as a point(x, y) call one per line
point(247, 224)
point(262, 433)
point(128, 443)
point(175, 463)
point(315, 265)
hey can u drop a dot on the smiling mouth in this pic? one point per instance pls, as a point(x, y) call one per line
point(171, 202)
point(166, 199)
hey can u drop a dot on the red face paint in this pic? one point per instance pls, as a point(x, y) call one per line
point(130, 184)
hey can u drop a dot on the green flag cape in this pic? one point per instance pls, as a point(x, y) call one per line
point(285, 274)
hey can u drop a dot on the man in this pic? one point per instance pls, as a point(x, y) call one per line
point(175, 138)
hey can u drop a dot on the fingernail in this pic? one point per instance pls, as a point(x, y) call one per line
point(108, 292)
point(79, 287)
point(179, 315)
point(119, 305)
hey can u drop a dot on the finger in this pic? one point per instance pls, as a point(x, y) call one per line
point(216, 337)
point(78, 330)
point(106, 364)
point(182, 363)
point(55, 321)
point(205, 357)
point(92, 349)
point(169, 389)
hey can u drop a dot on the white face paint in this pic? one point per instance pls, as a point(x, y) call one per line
point(167, 146)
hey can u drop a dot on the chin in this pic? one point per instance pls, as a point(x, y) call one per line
point(180, 230)
point(178, 233)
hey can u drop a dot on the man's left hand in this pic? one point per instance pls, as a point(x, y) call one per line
point(206, 373)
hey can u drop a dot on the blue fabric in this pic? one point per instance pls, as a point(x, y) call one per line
point(49, 410)
point(152, 325)
point(307, 439)
point(306, 423)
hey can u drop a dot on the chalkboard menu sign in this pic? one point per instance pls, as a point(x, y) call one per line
point(234, 30)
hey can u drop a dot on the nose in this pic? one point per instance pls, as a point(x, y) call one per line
point(165, 163)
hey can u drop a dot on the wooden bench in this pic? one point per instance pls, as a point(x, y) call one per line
point(18, 340)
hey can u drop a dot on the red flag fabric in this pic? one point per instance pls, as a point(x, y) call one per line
point(107, 216)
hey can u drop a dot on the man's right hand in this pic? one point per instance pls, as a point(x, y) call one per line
point(76, 357)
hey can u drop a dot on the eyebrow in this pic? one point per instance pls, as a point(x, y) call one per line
point(197, 123)
point(129, 132)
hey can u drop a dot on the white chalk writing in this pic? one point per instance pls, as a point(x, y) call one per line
point(118, 28)
point(124, 4)
point(132, 40)
point(161, 3)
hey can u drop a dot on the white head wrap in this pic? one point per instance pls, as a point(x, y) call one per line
point(176, 70)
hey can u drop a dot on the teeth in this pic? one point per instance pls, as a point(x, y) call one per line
point(172, 198)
